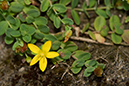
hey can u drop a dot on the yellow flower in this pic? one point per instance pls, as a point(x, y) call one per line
point(42, 54)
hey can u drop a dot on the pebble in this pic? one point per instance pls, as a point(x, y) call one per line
point(21, 69)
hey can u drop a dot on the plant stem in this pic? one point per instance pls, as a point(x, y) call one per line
point(55, 12)
point(35, 25)
point(7, 21)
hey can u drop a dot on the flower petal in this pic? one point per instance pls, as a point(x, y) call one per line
point(46, 47)
point(35, 60)
point(43, 64)
point(52, 54)
point(34, 48)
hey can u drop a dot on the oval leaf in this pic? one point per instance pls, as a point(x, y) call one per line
point(125, 36)
point(116, 38)
point(57, 22)
point(26, 38)
point(75, 17)
point(44, 5)
point(76, 70)
point(99, 38)
point(99, 23)
point(65, 2)
point(16, 7)
point(92, 35)
point(74, 3)
point(60, 8)
point(64, 54)
point(40, 21)
point(8, 40)
point(101, 12)
point(67, 21)
point(3, 27)
point(114, 20)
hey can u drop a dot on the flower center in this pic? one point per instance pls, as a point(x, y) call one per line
point(42, 54)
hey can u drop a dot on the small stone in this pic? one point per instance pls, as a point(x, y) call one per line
point(21, 69)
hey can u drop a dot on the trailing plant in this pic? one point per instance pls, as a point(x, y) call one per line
point(25, 22)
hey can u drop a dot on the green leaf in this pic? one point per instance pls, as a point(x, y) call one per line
point(44, 5)
point(78, 63)
point(75, 17)
point(20, 1)
point(64, 54)
point(82, 55)
point(51, 14)
point(29, 19)
point(65, 2)
point(101, 12)
point(27, 2)
point(8, 32)
point(38, 35)
point(15, 33)
point(127, 19)
point(27, 30)
point(84, 9)
point(91, 34)
point(85, 27)
point(67, 21)
point(28, 59)
point(27, 38)
point(50, 37)
point(102, 66)
point(70, 46)
point(104, 31)
point(59, 36)
point(40, 21)
point(77, 53)
point(92, 3)
point(16, 25)
point(8, 40)
point(3, 27)
point(108, 12)
point(22, 17)
point(90, 69)
point(114, 20)
point(76, 70)
point(43, 28)
point(16, 7)
point(56, 45)
point(107, 3)
point(74, 3)
point(116, 38)
point(125, 36)
point(32, 11)
point(118, 30)
point(1, 17)
point(99, 23)
point(57, 22)
point(18, 42)
point(125, 5)
point(87, 74)
point(11, 19)
point(33, 40)
point(60, 8)
point(91, 63)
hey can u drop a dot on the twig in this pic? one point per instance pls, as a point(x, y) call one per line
point(102, 59)
point(88, 40)
point(64, 73)
point(117, 54)
point(92, 41)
